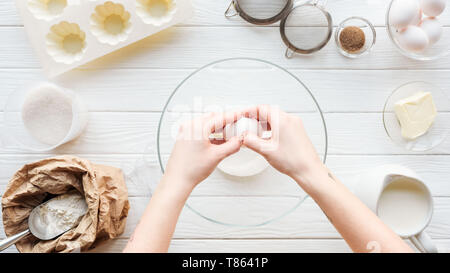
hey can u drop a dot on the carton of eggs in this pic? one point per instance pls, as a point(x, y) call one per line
point(69, 33)
point(416, 23)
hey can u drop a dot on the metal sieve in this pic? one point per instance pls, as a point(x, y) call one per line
point(259, 12)
point(305, 28)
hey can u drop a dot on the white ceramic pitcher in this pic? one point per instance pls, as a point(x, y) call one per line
point(371, 185)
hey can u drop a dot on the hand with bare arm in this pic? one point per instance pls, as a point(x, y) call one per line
point(292, 153)
point(193, 158)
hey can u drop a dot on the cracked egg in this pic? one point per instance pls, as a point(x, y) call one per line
point(111, 23)
point(66, 42)
point(156, 12)
point(47, 9)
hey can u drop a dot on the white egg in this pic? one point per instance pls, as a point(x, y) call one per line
point(403, 12)
point(433, 8)
point(433, 29)
point(245, 162)
point(416, 21)
point(242, 126)
point(413, 38)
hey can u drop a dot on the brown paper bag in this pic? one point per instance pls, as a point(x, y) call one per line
point(106, 196)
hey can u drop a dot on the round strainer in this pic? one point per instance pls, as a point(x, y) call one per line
point(260, 12)
point(306, 29)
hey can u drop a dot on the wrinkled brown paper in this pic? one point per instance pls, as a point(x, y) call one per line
point(104, 188)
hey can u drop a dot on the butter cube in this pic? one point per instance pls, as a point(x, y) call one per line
point(416, 114)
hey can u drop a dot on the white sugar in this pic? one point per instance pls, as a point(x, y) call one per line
point(47, 114)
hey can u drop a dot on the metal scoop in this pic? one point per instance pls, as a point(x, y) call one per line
point(39, 231)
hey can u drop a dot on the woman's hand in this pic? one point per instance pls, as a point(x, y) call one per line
point(289, 150)
point(194, 156)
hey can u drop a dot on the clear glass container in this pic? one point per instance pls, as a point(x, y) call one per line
point(437, 51)
point(230, 84)
point(17, 133)
point(369, 34)
point(440, 128)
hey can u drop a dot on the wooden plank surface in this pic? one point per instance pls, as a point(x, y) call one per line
point(209, 13)
point(249, 246)
point(336, 90)
point(131, 132)
point(351, 93)
point(306, 222)
point(432, 168)
point(193, 47)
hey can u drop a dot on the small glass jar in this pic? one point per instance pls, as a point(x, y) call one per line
point(369, 34)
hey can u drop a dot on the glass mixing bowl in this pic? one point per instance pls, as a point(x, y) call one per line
point(230, 84)
point(434, 52)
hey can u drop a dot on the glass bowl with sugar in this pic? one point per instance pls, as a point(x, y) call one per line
point(42, 116)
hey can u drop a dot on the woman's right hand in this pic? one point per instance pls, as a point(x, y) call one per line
point(289, 150)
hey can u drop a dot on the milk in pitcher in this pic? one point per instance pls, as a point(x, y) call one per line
point(404, 205)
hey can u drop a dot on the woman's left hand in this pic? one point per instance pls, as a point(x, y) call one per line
point(194, 157)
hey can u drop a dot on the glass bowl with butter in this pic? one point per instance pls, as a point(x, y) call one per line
point(415, 116)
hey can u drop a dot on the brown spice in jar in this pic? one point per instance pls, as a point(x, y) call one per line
point(352, 39)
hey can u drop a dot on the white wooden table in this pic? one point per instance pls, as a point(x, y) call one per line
point(126, 92)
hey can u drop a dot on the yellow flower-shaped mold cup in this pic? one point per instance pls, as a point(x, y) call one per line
point(111, 23)
point(156, 12)
point(66, 42)
point(47, 9)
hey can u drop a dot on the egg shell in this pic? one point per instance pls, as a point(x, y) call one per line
point(433, 29)
point(240, 127)
point(413, 38)
point(433, 8)
point(418, 19)
point(403, 12)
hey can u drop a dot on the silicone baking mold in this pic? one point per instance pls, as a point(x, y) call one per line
point(69, 33)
